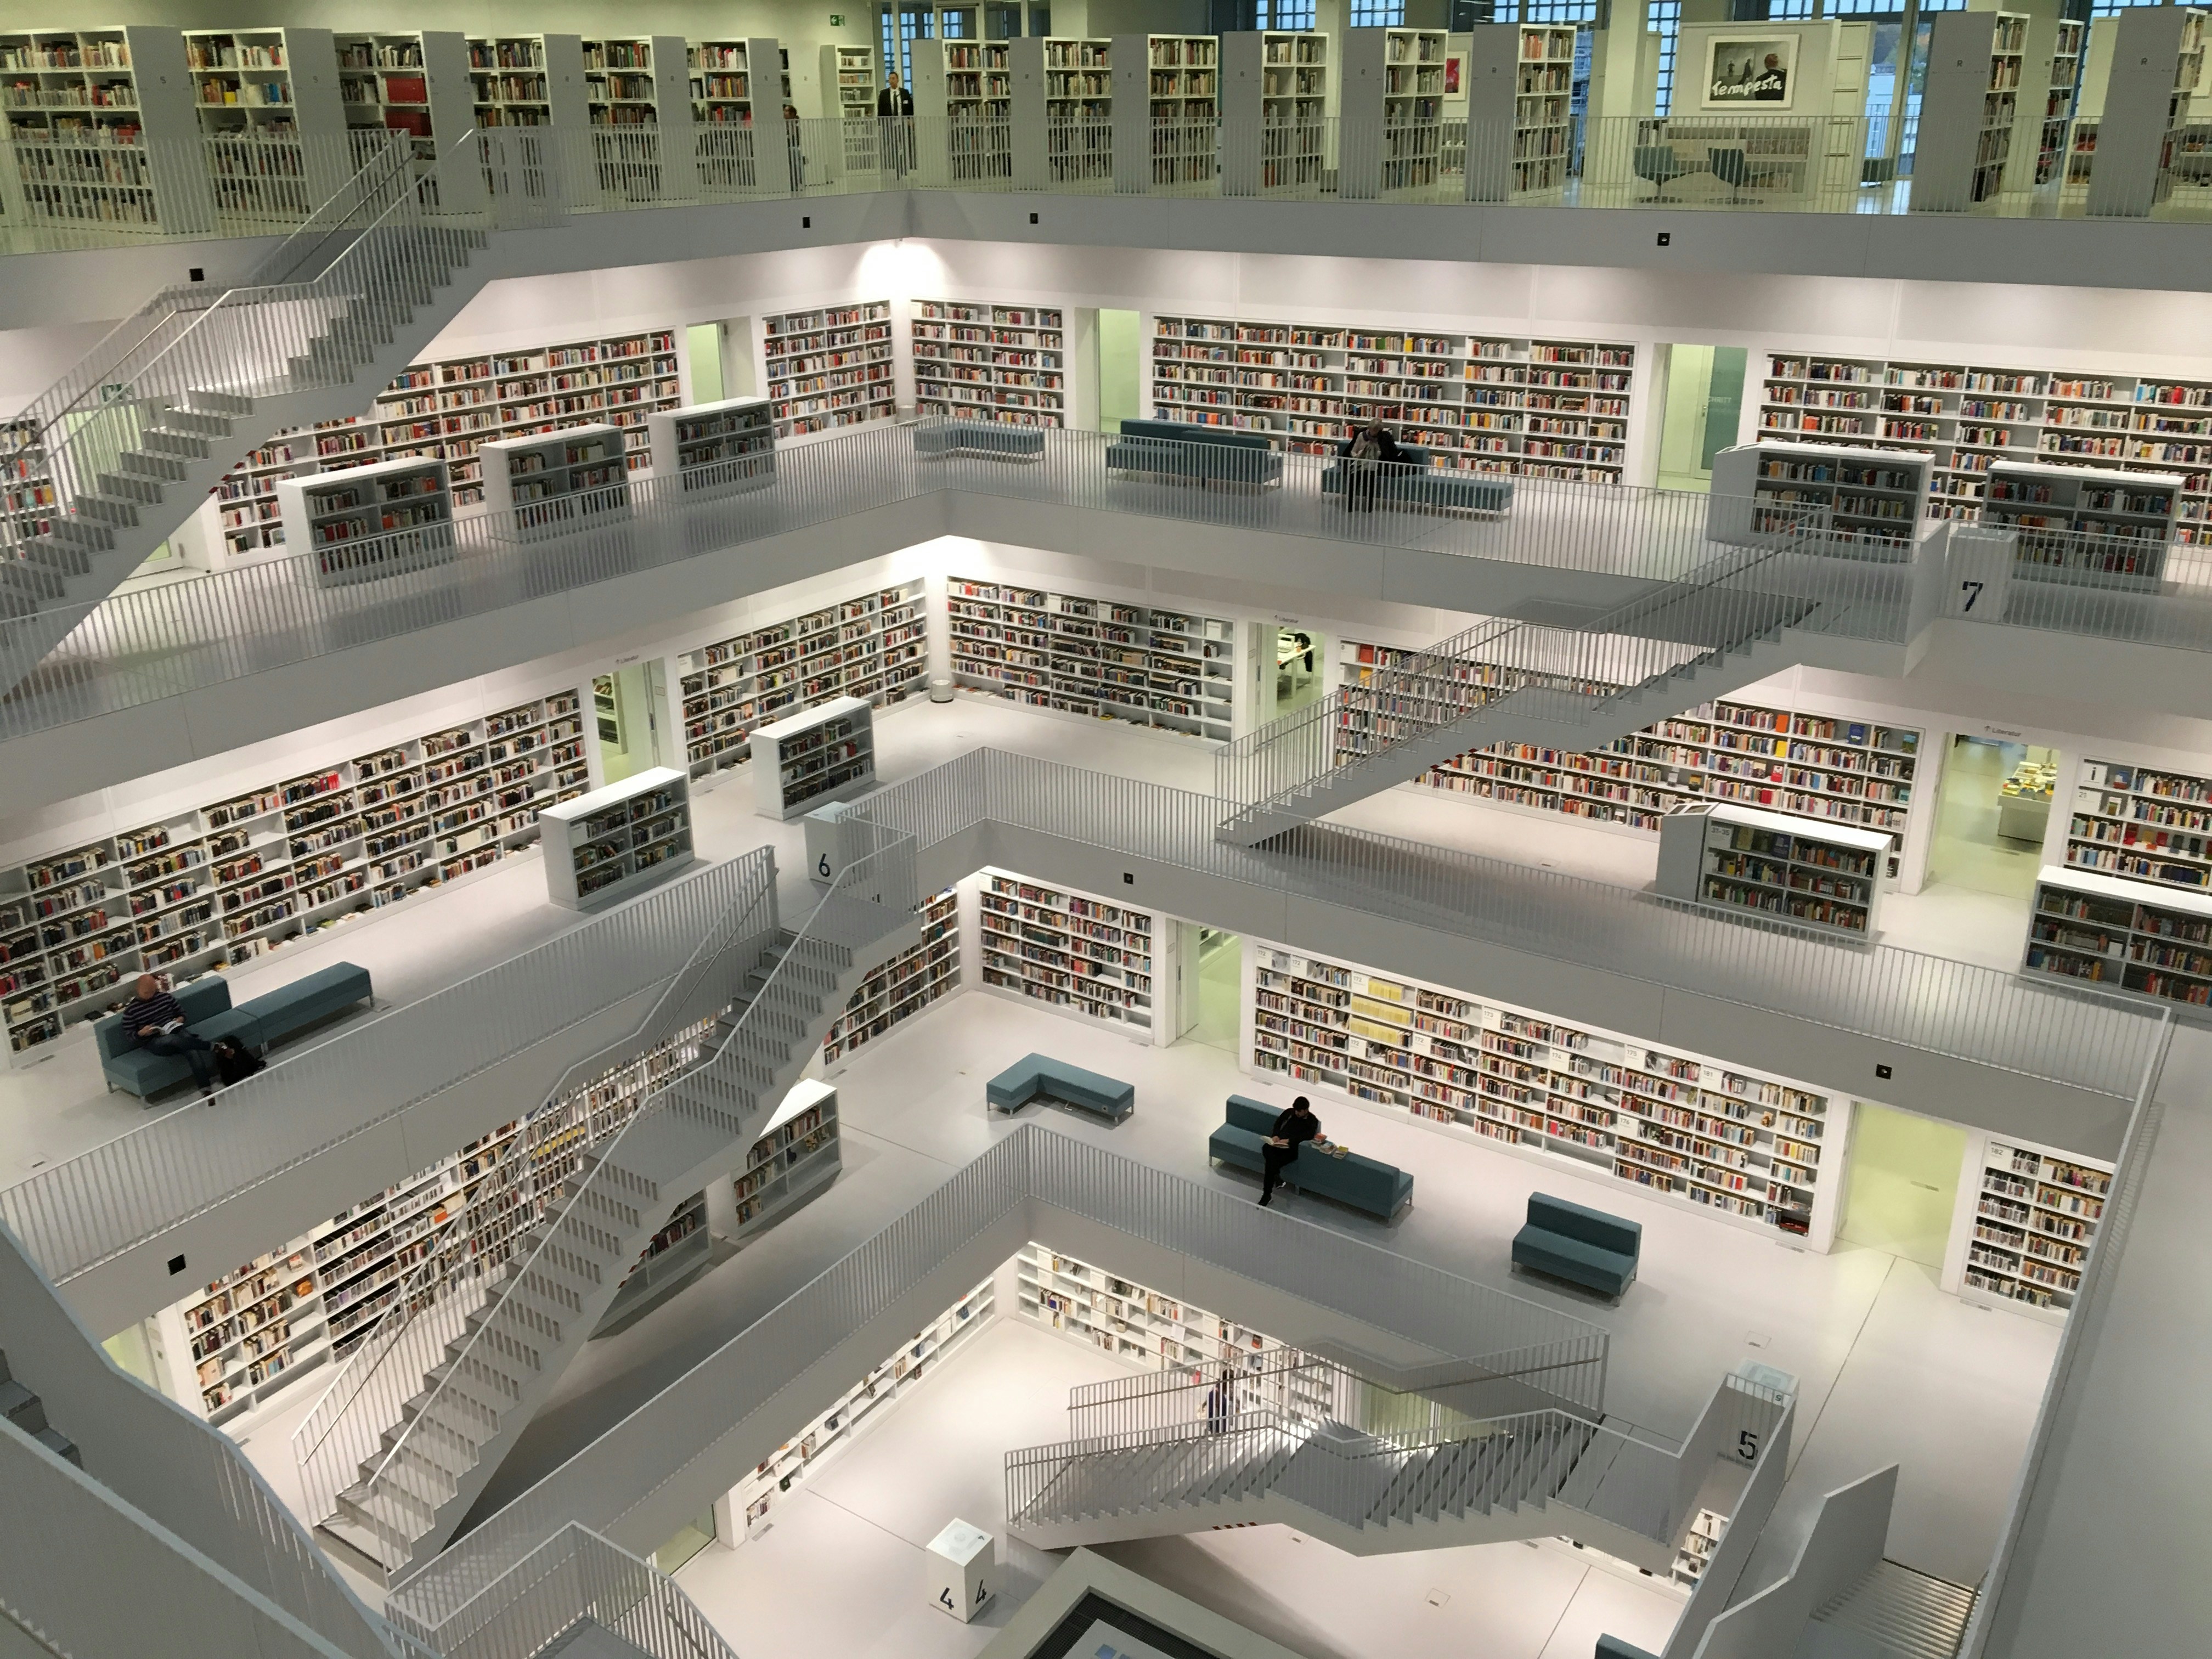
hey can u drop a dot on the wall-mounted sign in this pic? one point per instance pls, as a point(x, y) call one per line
point(1757, 72)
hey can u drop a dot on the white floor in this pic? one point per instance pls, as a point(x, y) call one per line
point(841, 1569)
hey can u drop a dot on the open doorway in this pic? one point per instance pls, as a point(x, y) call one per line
point(1991, 815)
point(1213, 986)
point(1121, 355)
point(1704, 407)
point(1903, 1183)
point(1290, 670)
point(627, 710)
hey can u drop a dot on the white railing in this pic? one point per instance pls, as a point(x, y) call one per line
point(93, 1207)
point(344, 1430)
point(573, 1575)
point(704, 1430)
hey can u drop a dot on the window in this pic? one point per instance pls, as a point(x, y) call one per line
point(1664, 19)
point(1378, 14)
point(1287, 14)
point(2114, 7)
point(902, 26)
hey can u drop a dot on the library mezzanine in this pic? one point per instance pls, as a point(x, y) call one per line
point(850, 888)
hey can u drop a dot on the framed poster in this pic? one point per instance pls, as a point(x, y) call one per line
point(1756, 72)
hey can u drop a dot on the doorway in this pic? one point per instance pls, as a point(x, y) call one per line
point(1118, 380)
point(1290, 669)
point(1991, 815)
point(628, 712)
point(702, 345)
point(1704, 407)
point(1216, 989)
point(1903, 1183)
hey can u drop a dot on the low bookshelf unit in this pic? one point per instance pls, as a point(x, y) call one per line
point(618, 841)
point(712, 449)
point(364, 522)
point(810, 759)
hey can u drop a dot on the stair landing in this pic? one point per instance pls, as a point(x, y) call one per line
point(1893, 1613)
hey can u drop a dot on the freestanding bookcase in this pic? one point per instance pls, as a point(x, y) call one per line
point(618, 841)
point(82, 103)
point(712, 449)
point(364, 522)
point(1390, 132)
point(828, 753)
point(556, 483)
point(2158, 55)
point(2095, 526)
point(1275, 111)
point(1968, 113)
point(1166, 99)
point(1875, 499)
point(1518, 82)
point(1826, 878)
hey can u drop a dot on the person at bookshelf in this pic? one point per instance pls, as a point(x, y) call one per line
point(1365, 455)
point(894, 116)
point(153, 1016)
point(1293, 1130)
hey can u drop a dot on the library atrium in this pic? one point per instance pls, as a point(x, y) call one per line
point(932, 831)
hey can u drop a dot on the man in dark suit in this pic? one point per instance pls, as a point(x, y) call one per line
point(1293, 1130)
point(894, 122)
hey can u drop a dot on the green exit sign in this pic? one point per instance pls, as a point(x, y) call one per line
point(836, 19)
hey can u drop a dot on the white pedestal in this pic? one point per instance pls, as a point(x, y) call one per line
point(824, 843)
point(961, 1571)
point(1979, 564)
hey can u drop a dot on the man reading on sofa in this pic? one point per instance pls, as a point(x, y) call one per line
point(1291, 1131)
point(153, 1016)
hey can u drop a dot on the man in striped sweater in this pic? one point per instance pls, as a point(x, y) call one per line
point(153, 1016)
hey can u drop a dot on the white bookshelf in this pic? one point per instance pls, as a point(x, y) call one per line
point(418, 83)
point(2157, 60)
point(2150, 824)
point(1875, 500)
point(798, 1154)
point(850, 86)
point(364, 522)
point(267, 91)
point(637, 92)
point(528, 81)
point(1740, 859)
point(2131, 515)
point(707, 450)
point(1151, 1330)
point(2034, 1212)
point(1703, 1537)
point(1166, 102)
point(873, 645)
point(979, 360)
point(1145, 665)
point(1275, 111)
point(909, 984)
point(1968, 417)
point(228, 880)
point(616, 842)
point(1518, 82)
point(1968, 109)
point(81, 106)
point(1532, 408)
point(2062, 87)
point(830, 367)
point(1754, 1149)
point(557, 484)
point(1390, 110)
point(965, 87)
point(2127, 935)
point(1812, 765)
point(1060, 101)
point(753, 1501)
point(1069, 949)
point(807, 759)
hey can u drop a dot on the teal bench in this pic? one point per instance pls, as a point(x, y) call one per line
point(1612, 1647)
point(1422, 486)
point(1204, 454)
point(258, 1025)
point(1036, 1077)
point(1582, 1246)
point(999, 441)
point(1362, 1183)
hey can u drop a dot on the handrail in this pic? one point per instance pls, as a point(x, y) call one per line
point(873, 890)
point(433, 1303)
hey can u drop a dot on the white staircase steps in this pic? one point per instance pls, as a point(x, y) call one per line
point(1895, 1613)
point(28, 1412)
point(548, 1298)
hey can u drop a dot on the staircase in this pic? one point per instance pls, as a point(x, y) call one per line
point(435, 1454)
point(1368, 1468)
point(27, 1412)
point(1893, 1613)
point(134, 438)
point(1572, 690)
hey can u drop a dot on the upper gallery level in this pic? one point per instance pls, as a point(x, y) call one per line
point(2028, 145)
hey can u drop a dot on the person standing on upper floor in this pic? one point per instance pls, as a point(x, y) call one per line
point(894, 119)
point(1293, 1130)
point(154, 1018)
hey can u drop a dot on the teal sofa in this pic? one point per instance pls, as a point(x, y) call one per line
point(999, 441)
point(1612, 1647)
point(281, 1013)
point(1422, 486)
point(1036, 1077)
point(1203, 454)
point(1383, 1190)
point(1582, 1246)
